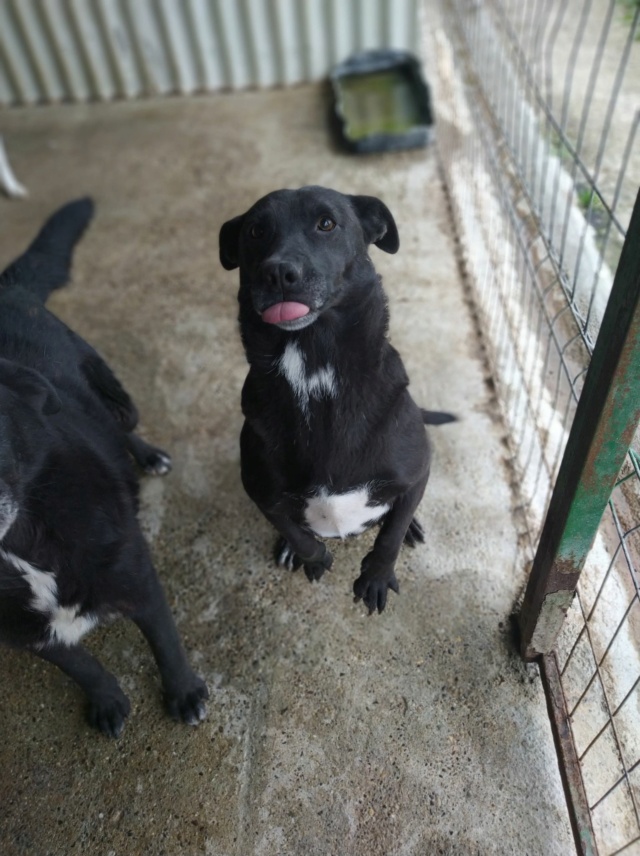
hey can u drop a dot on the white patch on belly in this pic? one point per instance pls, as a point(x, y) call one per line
point(306, 386)
point(336, 515)
point(65, 625)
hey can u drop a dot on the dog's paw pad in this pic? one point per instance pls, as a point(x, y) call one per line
point(285, 557)
point(189, 706)
point(157, 463)
point(108, 714)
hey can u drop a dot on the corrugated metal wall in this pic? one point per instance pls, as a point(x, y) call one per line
point(79, 50)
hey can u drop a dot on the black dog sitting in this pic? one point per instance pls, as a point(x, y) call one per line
point(332, 441)
point(71, 550)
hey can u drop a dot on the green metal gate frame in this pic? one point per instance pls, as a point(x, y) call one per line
point(605, 423)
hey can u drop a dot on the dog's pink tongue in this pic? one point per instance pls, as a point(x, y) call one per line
point(287, 311)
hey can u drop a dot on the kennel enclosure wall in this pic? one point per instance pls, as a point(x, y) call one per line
point(72, 50)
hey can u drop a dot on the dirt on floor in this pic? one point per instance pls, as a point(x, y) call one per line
point(416, 732)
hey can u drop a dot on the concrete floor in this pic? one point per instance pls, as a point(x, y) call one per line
point(417, 732)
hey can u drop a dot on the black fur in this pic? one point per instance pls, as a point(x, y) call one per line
point(310, 247)
point(68, 489)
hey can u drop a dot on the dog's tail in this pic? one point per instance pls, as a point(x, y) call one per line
point(46, 264)
point(437, 417)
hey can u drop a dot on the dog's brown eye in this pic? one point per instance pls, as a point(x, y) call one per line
point(256, 231)
point(326, 224)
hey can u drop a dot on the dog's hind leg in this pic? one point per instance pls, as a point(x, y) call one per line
point(184, 692)
point(378, 567)
point(284, 555)
point(298, 547)
point(151, 459)
point(415, 534)
point(107, 387)
point(108, 706)
point(115, 397)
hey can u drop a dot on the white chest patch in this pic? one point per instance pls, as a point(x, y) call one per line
point(304, 385)
point(66, 626)
point(336, 515)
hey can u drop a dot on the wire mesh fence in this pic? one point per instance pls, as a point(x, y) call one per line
point(539, 113)
point(598, 659)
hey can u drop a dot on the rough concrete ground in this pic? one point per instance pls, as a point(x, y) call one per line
point(417, 732)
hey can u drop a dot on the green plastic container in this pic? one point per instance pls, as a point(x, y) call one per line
point(381, 102)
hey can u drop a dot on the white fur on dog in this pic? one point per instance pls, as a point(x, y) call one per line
point(286, 556)
point(336, 515)
point(306, 386)
point(8, 181)
point(66, 626)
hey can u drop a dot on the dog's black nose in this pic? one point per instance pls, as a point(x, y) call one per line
point(281, 275)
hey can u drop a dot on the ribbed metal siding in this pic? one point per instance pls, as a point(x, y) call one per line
point(78, 50)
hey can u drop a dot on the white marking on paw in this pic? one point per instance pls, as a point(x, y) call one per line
point(319, 384)
point(162, 465)
point(286, 557)
point(336, 515)
point(66, 626)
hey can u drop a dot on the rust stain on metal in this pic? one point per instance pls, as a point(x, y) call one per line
point(550, 619)
point(569, 764)
point(545, 607)
point(563, 568)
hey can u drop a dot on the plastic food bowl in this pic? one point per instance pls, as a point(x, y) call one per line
point(381, 102)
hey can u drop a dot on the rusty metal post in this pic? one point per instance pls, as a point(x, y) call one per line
point(604, 425)
point(569, 764)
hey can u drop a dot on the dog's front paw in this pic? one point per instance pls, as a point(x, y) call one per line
point(188, 705)
point(372, 585)
point(107, 712)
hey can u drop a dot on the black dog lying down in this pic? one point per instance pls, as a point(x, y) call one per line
point(71, 550)
point(332, 441)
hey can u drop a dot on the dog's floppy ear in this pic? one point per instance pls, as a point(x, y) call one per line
point(31, 386)
point(377, 223)
point(229, 239)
